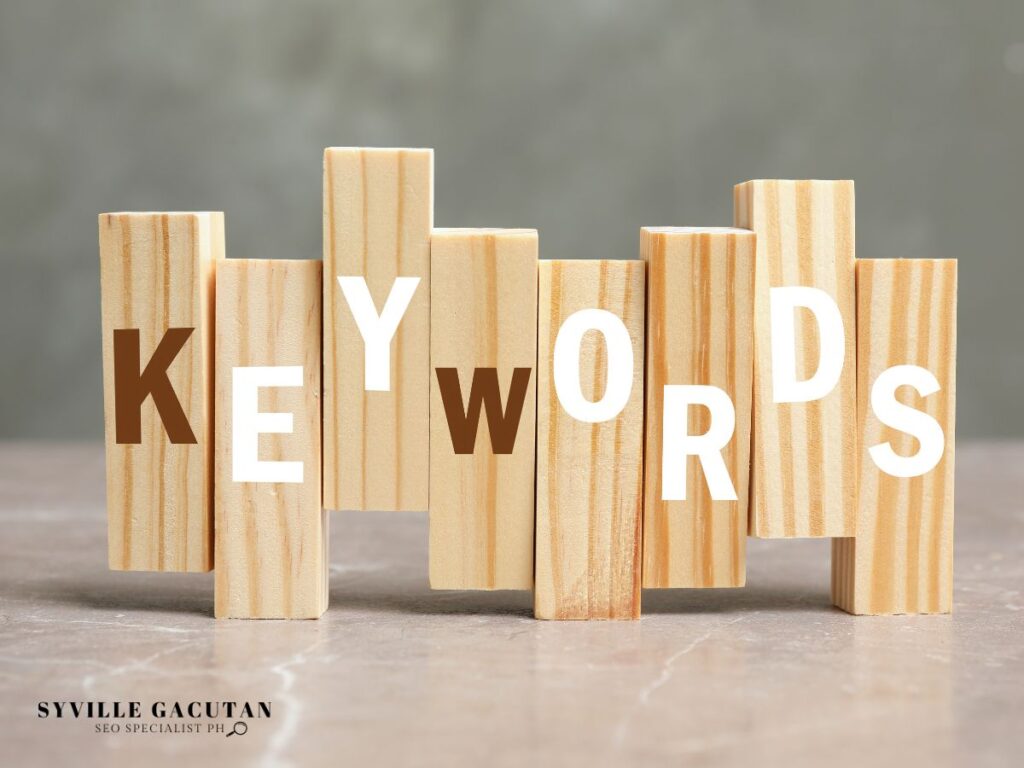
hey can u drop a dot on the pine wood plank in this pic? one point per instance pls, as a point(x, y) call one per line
point(483, 315)
point(157, 281)
point(589, 475)
point(378, 211)
point(803, 454)
point(271, 553)
point(700, 304)
point(901, 560)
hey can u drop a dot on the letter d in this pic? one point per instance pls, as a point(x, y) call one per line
point(782, 303)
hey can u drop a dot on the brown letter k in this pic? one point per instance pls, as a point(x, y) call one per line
point(132, 388)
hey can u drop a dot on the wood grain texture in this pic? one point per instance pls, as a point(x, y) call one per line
point(378, 211)
point(483, 311)
point(157, 272)
point(700, 304)
point(589, 475)
point(901, 560)
point(803, 454)
point(271, 553)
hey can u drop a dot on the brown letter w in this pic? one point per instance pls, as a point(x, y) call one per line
point(484, 391)
point(132, 388)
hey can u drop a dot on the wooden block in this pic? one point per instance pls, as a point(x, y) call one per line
point(378, 211)
point(271, 550)
point(589, 472)
point(803, 453)
point(901, 560)
point(157, 282)
point(700, 305)
point(483, 351)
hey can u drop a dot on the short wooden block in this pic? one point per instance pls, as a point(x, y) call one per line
point(901, 560)
point(378, 211)
point(483, 351)
point(271, 553)
point(803, 453)
point(700, 305)
point(157, 282)
point(589, 473)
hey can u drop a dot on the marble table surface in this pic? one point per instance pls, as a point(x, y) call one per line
point(395, 674)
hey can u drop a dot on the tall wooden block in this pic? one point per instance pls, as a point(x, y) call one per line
point(700, 305)
point(483, 351)
point(901, 560)
point(157, 282)
point(803, 454)
point(271, 553)
point(589, 463)
point(378, 211)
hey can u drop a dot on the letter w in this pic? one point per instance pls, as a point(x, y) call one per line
point(462, 424)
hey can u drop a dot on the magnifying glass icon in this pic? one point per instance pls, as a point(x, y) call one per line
point(240, 728)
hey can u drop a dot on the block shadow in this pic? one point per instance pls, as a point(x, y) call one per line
point(776, 598)
point(386, 591)
point(117, 596)
point(414, 596)
point(410, 594)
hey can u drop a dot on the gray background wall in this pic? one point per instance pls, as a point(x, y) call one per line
point(583, 119)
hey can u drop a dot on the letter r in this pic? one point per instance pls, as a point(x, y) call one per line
point(679, 444)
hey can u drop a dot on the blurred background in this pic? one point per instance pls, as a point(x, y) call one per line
point(584, 119)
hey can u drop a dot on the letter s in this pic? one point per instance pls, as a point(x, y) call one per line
point(895, 414)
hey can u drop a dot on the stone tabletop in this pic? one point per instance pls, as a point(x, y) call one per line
point(395, 674)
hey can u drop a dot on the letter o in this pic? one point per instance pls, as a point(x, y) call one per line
point(619, 377)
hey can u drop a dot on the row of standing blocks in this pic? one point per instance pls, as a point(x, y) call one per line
point(538, 409)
